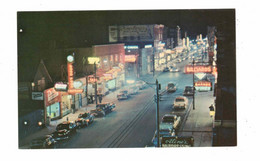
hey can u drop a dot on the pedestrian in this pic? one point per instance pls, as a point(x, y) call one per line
point(67, 118)
point(100, 98)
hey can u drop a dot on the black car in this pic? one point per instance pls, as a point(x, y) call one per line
point(102, 109)
point(106, 107)
point(70, 126)
point(61, 135)
point(188, 91)
point(98, 112)
point(84, 119)
point(45, 142)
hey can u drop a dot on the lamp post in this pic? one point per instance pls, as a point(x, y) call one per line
point(157, 113)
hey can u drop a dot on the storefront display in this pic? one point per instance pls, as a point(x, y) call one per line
point(53, 111)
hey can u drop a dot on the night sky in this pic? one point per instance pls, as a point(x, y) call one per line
point(73, 29)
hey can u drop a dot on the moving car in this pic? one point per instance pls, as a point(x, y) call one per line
point(133, 90)
point(171, 87)
point(180, 102)
point(174, 69)
point(188, 91)
point(123, 94)
point(166, 69)
point(84, 119)
point(44, 142)
point(141, 84)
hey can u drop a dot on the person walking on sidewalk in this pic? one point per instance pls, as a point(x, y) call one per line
point(100, 98)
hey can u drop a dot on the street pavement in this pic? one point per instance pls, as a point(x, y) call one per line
point(132, 124)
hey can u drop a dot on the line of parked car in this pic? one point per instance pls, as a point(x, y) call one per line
point(65, 130)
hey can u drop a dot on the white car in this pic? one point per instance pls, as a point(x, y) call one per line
point(140, 84)
point(133, 89)
point(180, 102)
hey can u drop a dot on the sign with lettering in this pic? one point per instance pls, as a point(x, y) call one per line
point(130, 58)
point(177, 141)
point(51, 96)
point(60, 87)
point(37, 96)
point(189, 69)
point(203, 84)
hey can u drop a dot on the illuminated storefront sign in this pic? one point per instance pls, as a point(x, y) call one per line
point(70, 75)
point(51, 96)
point(189, 69)
point(37, 96)
point(60, 87)
point(132, 47)
point(180, 141)
point(92, 60)
point(203, 84)
point(148, 46)
point(130, 58)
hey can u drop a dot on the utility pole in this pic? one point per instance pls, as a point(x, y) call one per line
point(95, 70)
point(153, 61)
point(193, 86)
point(157, 113)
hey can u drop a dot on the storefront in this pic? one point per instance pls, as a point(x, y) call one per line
point(52, 101)
point(66, 104)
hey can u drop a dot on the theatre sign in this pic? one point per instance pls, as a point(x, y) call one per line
point(190, 69)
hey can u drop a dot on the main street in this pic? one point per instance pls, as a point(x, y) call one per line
point(133, 122)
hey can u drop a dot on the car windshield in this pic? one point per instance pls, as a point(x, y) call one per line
point(188, 88)
point(167, 119)
point(179, 100)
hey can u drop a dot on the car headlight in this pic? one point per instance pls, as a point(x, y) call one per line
point(87, 120)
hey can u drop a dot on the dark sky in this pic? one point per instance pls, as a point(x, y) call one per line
point(91, 27)
point(74, 29)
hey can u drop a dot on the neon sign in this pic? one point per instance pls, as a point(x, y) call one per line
point(203, 84)
point(189, 69)
point(130, 58)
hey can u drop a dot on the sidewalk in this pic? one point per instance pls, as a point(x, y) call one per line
point(199, 123)
point(25, 142)
point(111, 97)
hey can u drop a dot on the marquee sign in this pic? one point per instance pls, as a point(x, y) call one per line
point(189, 69)
point(177, 141)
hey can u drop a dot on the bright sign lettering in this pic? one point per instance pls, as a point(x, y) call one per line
point(70, 75)
point(92, 60)
point(177, 141)
point(60, 87)
point(130, 58)
point(203, 84)
point(189, 69)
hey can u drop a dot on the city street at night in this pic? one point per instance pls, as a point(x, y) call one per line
point(162, 81)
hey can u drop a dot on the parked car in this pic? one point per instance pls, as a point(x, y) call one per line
point(123, 94)
point(172, 120)
point(141, 84)
point(84, 119)
point(166, 69)
point(180, 102)
point(44, 142)
point(98, 112)
point(106, 106)
point(188, 91)
point(171, 87)
point(61, 135)
point(133, 90)
point(70, 126)
point(163, 132)
point(102, 109)
point(174, 69)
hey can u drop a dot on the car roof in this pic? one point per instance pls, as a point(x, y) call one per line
point(167, 115)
